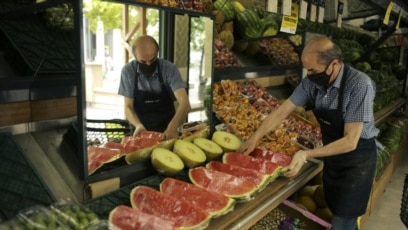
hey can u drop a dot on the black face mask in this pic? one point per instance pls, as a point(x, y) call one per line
point(148, 70)
point(321, 78)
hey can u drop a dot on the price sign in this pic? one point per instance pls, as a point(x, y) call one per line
point(313, 11)
point(340, 6)
point(289, 23)
point(272, 6)
point(303, 9)
point(388, 13)
point(321, 5)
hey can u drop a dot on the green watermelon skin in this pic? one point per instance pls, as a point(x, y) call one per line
point(226, 184)
point(216, 204)
point(127, 218)
point(185, 215)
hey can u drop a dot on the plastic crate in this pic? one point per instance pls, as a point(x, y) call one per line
point(104, 204)
point(20, 185)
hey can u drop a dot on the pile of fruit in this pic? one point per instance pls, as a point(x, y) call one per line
point(223, 57)
point(243, 111)
point(63, 214)
point(220, 177)
point(311, 197)
point(280, 51)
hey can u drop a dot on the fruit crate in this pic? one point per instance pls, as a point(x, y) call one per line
point(20, 185)
point(100, 131)
point(104, 204)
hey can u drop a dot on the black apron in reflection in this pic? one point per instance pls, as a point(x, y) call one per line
point(347, 177)
point(154, 110)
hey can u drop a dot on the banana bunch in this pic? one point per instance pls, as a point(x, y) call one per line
point(295, 39)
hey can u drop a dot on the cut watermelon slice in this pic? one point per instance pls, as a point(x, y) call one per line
point(250, 162)
point(260, 179)
point(185, 215)
point(150, 135)
point(224, 183)
point(97, 156)
point(275, 157)
point(216, 204)
point(127, 218)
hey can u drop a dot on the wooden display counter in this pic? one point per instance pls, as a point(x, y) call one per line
point(248, 213)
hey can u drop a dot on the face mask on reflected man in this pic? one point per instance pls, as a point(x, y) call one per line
point(148, 70)
point(321, 78)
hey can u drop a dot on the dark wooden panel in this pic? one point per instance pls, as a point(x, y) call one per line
point(53, 109)
point(15, 113)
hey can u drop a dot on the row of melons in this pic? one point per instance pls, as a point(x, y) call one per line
point(192, 152)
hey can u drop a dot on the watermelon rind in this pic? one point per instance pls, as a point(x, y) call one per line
point(246, 196)
point(229, 205)
point(158, 203)
point(261, 185)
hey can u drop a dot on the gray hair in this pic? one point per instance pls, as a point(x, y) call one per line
point(327, 56)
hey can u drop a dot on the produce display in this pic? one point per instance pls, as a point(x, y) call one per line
point(125, 217)
point(224, 183)
point(63, 214)
point(238, 106)
point(215, 204)
point(184, 214)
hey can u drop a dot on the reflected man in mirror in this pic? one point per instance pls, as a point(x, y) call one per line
point(150, 86)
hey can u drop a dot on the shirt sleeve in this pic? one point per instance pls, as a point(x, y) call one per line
point(172, 75)
point(299, 97)
point(127, 81)
point(360, 108)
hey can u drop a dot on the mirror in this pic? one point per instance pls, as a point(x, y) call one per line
point(106, 51)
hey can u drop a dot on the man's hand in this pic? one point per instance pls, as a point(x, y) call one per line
point(169, 134)
point(247, 147)
point(138, 129)
point(298, 160)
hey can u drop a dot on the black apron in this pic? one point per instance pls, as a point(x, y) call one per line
point(348, 177)
point(154, 110)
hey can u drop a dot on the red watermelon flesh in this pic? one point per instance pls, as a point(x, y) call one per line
point(275, 157)
point(215, 204)
point(216, 181)
point(150, 134)
point(127, 218)
point(114, 145)
point(257, 177)
point(132, 144)
point(250, 162)
point(97, 156)
point(185, 215)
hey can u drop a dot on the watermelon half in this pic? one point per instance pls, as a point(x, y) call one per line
point(260, 179)
point(98, 156)
point(185, 215)
point(215, 204)
point(258, 164)
point(224, 183)
point(127, 218)
point(281, 159)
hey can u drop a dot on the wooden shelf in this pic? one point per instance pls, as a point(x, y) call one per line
point(385, 112)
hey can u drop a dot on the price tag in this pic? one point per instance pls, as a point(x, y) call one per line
point(388, 13)
point(272, 6)
point(289, 23)
point(286, 7)
point(313, 11)
point(340, 7)
point(399, 19)
point(303, 9)
point(320, 12)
